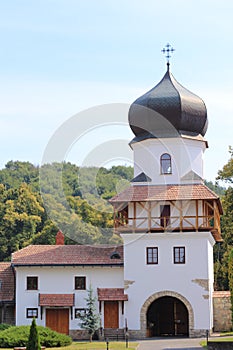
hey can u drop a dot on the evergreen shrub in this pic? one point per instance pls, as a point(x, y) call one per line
point(18, 336)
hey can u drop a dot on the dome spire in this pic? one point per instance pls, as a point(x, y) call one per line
point(168, 50)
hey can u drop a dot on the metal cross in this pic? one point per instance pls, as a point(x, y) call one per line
point(168, 50)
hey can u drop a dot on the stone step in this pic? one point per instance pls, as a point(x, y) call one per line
point(114, 334)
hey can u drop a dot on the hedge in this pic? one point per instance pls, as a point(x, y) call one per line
point(18, 336)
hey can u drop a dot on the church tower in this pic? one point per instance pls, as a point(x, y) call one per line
point(168, 219)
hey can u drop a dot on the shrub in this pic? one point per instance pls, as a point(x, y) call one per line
point(18, 336)
point(4, 326)
point(33, 339)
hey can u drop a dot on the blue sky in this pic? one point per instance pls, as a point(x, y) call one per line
point(59, 57)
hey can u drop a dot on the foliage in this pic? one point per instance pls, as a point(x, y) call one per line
point(226, 174)
point(33, 339)
point(74, 200)
point(90, 320)
point(4, 326)
point(230, 276)
point(223, 251)
point(18, 336)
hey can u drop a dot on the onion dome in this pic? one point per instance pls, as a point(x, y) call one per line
point(168, 110)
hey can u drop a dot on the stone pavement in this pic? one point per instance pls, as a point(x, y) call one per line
point(171, 343)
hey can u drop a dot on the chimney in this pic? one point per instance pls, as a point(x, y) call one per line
point(60, 238)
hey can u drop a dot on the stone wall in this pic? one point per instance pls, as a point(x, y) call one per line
point(222, 311)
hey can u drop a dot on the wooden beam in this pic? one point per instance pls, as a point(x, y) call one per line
point(197, 223)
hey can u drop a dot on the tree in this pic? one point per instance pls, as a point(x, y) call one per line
point(230, 276)
point(33, 339)
point(91, 320)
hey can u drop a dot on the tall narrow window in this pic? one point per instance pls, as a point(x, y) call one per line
point(152, 255)
point(165, 213)
point(179, 255)
point(166, 164)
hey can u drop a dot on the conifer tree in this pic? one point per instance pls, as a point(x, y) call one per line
point(33, 339)
point(90, 320)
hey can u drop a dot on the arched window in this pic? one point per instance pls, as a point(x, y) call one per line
point(166, 164)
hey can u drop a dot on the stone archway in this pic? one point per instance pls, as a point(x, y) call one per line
point(155, 296)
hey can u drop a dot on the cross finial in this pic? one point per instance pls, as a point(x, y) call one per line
point(167, 50)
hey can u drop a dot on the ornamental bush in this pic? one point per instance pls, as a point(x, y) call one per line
point(33, 339)
point(4, 326)
point(18, 336)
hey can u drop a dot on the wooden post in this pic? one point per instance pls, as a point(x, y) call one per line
point(197, 214)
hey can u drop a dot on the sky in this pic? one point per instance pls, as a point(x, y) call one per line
point(59, 58)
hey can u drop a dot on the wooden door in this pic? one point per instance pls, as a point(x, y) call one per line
point(111, 314)
point(58, 320)
point(165, 215)
point(181, 318)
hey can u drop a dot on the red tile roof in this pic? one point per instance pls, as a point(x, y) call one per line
point(7, 282)
point(111, 294)
point(56, 299)
point(140, 193)
point(67, 255)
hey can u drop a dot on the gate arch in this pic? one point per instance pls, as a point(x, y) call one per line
point(154, 297)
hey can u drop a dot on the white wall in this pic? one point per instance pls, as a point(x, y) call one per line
point(186, 154)
point(167, 276)
point(55, 280)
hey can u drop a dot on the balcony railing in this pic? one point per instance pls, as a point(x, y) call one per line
point(167, 224)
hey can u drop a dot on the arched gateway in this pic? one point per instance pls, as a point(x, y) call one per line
point(166, 314)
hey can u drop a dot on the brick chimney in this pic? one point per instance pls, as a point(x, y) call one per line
point(60, 238)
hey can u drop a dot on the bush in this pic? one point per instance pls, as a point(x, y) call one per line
point(4, 326)
point(18, 336)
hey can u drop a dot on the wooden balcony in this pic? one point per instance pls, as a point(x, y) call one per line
point(210, 221)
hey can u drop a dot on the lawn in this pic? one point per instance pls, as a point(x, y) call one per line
point(220, 339)
point(96, 346)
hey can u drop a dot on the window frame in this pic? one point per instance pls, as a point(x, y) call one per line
point(80, 312)
point(180, 258)
point(165, 164)
point(29, 285)
point(83, 287)
point(152, 255)
point(32, 309)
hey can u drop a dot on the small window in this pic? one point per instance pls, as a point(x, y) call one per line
point(80, 313)
point(179, 255)
point(115, 255)
point(80, 282)
point(32, 313)
point(166, 165)
point(32, 283)
point(152, 255)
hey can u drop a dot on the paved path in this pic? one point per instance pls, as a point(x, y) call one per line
point(171, 343)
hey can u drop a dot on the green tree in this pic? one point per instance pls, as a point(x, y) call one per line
point(33, 339)
point(223, 251)
point(91, 320)
point(230, 275)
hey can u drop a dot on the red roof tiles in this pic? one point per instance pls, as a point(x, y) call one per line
point(111, 294)
point(7, 282)
point(67, 255)
point(163, 193)
point(56, 299)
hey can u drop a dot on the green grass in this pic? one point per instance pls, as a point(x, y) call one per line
point(220, 339)
point(95, 346)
